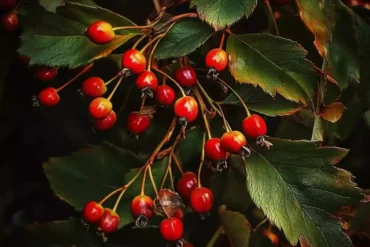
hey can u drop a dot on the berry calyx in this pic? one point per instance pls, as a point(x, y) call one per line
point(254, 126)
point(233, 141)
point(94, 87)
point(46, 74)
point(186, 108)
point(165, 95)
point(100, 108)
point(6, 5)
point(142, 209)
point(187, 183)
point(147, 82)
point(137, 124)
point(171, 229)
point(109, 221)
point(107, 122)
point(92, 212)
point(10, 21)
point(134, 60)
point(217, 59)
point(186, 76)
point(100, 32)
point(49, 97)
point(201, 200)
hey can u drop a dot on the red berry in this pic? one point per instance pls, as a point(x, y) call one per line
point(100, 32)
point(217, 59)
point(254, 126)
point(165, 95)
point(107, 122)
point(213, 149)
point(109, 221)
point(147, 79)
point(49, 97)
point(24, 59)
point(186, 184)
point(94, 87)
point(201, 200)
point(92, 212)
point(46, 74)
point(142, 205)
point(233, 141)
point(6, 5)
point(171, 229)
point(10, 21)
point(186, 76)
point(100, 108)
point(134, 60)
point(137, 124)
point(186, 107)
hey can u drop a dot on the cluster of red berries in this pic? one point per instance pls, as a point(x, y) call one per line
point(9, 18)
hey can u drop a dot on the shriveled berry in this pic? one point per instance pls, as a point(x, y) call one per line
point(171, 229)
point(233, 141)
point(186, 76)
point(147, 79)
point(217, 59)
point(109, 221)
point(201, 200)
point(100, 108)
point(137, 124)
point(94, 87)
point(187, 183)
point(10, 21)
point(186, 107)
point(254, 126)
point(213, 149)
point(142, 206)
point(49, 97)
point(107, 122)
point(165, 95)
point(46, 74)
point(92, 212)
point(133, 60)
point(100, 32)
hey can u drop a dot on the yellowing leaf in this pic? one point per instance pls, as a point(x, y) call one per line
point(332, 112)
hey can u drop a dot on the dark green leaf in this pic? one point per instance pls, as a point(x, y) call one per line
point(183, 38)
point(257, 100)
point(275, 64)
point(223, 13)
point(298, 188)
point(51, 5)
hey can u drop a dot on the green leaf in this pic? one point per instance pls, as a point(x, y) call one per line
point(236, 226)
point(92, 174)
point(340, 36)
point(297, 186)
point(223, 13)
point(183, 38)
point(275, 64)
point(51, 5)
point(257, 100)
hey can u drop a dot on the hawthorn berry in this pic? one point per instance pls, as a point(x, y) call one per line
point(107, 122)
point(213, 150)
point(100, 108)
point(100, 32)
point(165, 95)
point(169, 203)
point(6, 5)
point(171, 229)
point(46, 74)
point(147, 81)
point(49, 97)
point(142, 209)
point(10, 21)
point(201, 200)
point(92, 212)
point(186, 109)
point(186, 76)
point(133, 60)
point(217, 59)
point(187, 183)
point(109, 221)
point(233, 141)
point(137, 123)
point(254, 126)
point(94, 87)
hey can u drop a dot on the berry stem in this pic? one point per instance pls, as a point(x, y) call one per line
point(109, 195)
point(201, 160)
point(273, 17)
point(177, 162)
point(210, 101)
point(87, 67)
point(133, 27)
point(260, 224)
point(138, 41)
point(173, 80)
point(151, 42)
point(142, 191)
point(237, 95)
point(222, 40)
point(178, 17)
point(115, 88)
point(142, 103)
point(169, 170)
point(226, 124)
point(171, 177)
point(153, 181)
point(203, 110)
point(108, 82)
point(215, 237)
